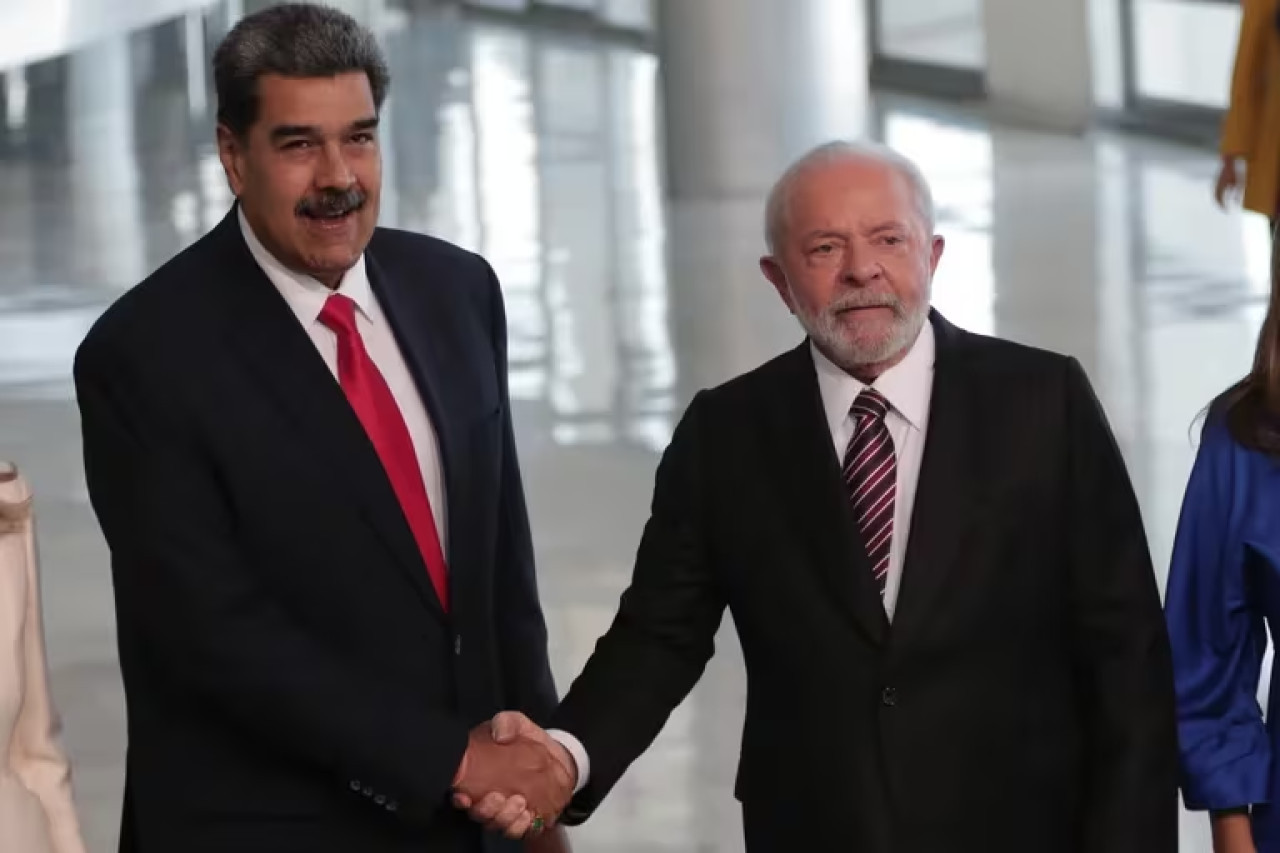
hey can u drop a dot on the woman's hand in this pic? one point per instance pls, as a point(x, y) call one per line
point(1228, 181)
point(1233, 833)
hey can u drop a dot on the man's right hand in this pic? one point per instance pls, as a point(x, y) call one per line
point(509, 784)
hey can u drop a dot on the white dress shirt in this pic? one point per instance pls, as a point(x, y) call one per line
point(907, 386)
point(307, 296)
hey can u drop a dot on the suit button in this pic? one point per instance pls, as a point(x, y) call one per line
point(889, 696)
point(380, 800)
point(392, 806)
point(368, 792)
point(355, 785)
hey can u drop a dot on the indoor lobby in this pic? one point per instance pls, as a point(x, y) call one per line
point(611, 160)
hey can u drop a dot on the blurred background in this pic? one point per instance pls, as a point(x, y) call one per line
point(610, 158)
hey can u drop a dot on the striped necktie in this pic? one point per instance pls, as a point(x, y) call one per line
point(871, 478)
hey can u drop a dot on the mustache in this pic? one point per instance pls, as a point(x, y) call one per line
point(332, 203)
point(862, 299)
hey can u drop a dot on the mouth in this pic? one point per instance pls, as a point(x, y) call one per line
point(857, 309)
point(328, 220)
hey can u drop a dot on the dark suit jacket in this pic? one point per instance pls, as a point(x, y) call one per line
point(293, 683)
point(1022, 699)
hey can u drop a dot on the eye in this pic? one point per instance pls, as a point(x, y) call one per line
point(297, 144)
point(364, 137)
point(892, 240)
point(823, 249)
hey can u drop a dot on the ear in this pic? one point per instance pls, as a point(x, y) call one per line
point(231, 152)
point(773, 271)
point(935, 252)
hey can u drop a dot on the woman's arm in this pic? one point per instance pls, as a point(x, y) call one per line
point(37, 756)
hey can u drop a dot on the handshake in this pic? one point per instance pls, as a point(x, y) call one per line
point(515, 778)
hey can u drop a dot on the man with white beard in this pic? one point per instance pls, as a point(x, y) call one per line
point(934, 560)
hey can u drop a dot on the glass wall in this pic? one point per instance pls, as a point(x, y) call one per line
point(933, 46)
point(1164, 65)
point(1183, 50)
point(626, 14)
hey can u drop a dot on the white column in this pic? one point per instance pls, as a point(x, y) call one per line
point(1039, 66)
point(103, 173)
point(750, 84)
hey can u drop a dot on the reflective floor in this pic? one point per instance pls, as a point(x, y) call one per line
point(540, 150)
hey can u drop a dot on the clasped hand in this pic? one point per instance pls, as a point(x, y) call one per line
point(515, 778)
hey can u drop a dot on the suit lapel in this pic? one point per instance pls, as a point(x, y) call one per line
point(948, 487)
point(428, 348)
point(806, 465)
point(281, 358)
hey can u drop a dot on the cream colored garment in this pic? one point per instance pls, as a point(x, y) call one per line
point(37, 814)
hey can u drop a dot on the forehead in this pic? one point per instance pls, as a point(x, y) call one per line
point(849, 191)
point(315, 101)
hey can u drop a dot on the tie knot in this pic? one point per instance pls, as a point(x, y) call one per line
point(339, 314)
point(870, 403)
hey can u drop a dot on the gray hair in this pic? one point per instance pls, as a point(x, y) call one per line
point(775, 212)
point(292, 40)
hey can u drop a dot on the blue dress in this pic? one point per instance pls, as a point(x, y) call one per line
point(1223, 590)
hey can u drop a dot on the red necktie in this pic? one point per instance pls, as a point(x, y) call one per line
point(376, 408)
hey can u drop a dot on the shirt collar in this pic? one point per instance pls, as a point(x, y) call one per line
point(907, 385)
point(305, 294)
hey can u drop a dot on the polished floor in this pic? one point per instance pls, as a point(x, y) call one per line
point(541, 151)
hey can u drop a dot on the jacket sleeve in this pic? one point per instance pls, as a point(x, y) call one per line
point(1218, 638)
point(1121, 646)
point(1248, 79)
point(186, 590)
point(36, 755)
point(663, 634)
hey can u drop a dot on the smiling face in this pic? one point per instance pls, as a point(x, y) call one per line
point(308, 172)
point(854, 260)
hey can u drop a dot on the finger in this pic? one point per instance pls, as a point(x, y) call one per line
point(511, 815)
point(461, 801)
point(519, 827)
point(508, 726)
point(489, 807)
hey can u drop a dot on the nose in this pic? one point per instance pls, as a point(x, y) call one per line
point(860, 267)
point(333, 172)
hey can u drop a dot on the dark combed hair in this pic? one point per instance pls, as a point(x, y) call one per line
point(292, 40)
point(1251, 407)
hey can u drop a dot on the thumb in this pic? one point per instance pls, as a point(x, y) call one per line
point(508, 726)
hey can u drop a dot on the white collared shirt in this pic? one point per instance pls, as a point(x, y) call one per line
point(908, 386)
point(306, 296)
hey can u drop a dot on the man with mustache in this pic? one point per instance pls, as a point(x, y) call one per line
point(933, 557)
point(298, 442)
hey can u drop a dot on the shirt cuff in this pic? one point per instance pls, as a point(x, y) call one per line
point(577, 752)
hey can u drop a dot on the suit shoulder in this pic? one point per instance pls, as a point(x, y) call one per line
point(148, 308)
point(1013, 364)
point(409, 248)
point(758, 384)
point(1012, 355)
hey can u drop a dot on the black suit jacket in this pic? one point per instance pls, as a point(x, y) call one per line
point(293, 682)
point(1022, 699)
